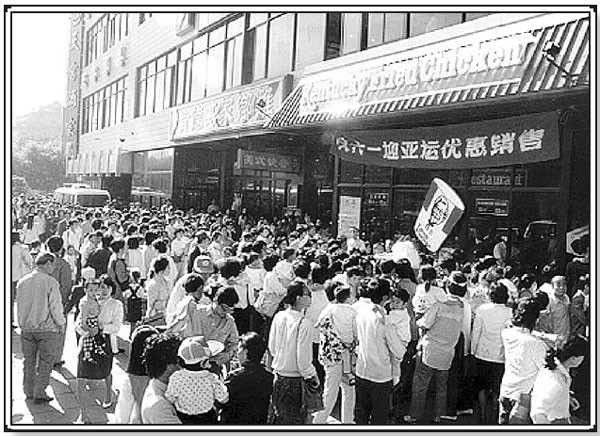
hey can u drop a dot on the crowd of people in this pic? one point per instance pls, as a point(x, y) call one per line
point(242, 321)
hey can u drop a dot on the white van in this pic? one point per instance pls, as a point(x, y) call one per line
point(83, 196)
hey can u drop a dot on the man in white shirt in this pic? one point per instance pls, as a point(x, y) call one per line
point(374, 363)
point(73, 235)
point(161, 362)
point(354, 242)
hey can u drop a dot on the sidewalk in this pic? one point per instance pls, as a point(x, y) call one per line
point(65, 408)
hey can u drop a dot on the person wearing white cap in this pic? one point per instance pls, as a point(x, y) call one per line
point(193, 389)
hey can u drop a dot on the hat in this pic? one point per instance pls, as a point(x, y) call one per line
point(88, 273)
point(203, 265)
point(197, 349)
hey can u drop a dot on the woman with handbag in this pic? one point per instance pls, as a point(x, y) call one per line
point(99, 367)
point(296, 383)
point(158, 289)
point(550, 398)
point(525, 355)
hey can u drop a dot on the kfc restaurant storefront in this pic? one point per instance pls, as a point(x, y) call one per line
point(498, 108)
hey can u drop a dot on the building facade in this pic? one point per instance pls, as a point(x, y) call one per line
point(318, 111)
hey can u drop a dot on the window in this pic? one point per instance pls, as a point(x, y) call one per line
point(281, 40)
point(351, 32)
point(333, 35)
point(105, 107)
point(105, 33)
point(428, 22)
point(474, 15)
point(145, 16)
point(156, 84)
point(211, 63)
point(185, 22)
point(255, 58)
point(310, 37)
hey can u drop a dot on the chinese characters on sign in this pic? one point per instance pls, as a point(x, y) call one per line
point(229, 111)
point(530, 138)
point(268, 162)
point(491, 206)
point(70, 132)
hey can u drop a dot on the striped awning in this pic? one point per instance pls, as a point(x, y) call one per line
point(534, 74)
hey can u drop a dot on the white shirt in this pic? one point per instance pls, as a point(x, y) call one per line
point(175, 297)
point(343, 319)
point(156, 409)
point(291, 345)
point(284, 271)
point(376, 346)
point(318, 302)
point(423, 300)
point(195, 392)
point(135, 259)
point(486, 339)
point(550, 394)
point(524, 356)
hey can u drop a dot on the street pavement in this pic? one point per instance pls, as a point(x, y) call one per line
point(65, 408)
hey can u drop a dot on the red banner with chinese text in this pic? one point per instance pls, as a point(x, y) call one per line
point(483, 144)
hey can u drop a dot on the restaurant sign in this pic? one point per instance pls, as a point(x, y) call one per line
point(407, 74)
point(255, 160)
point(483, 144)
point(247, 107)
point(499, 177)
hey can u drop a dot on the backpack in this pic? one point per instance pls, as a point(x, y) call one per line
point(121, 273)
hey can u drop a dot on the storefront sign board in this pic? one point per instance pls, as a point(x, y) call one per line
point(491, 206)
point(441, 210)
point(378, 199)
point(499, 177)
point(255, 160)
point(246, 107)
point(349, 215)
point(483, 144)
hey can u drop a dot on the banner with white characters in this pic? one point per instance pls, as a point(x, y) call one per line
point(481, 144)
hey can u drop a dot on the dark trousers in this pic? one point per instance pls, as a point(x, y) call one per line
point(317, 364)
point(209, 417)
point(39, 353)
point(372, 402)
point(421, 380)
point(245, 320)
point(460, 391)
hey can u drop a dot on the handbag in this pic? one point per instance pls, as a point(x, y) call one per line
point(312, 397)
point(158, 319)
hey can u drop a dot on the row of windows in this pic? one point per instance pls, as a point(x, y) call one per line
point(104, 108)
point(108, 30)
point(260, 45)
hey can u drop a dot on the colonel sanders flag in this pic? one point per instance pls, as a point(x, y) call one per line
point(441, 210)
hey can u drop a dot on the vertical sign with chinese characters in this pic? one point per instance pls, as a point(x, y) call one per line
point(70, 132)
point(483, 144)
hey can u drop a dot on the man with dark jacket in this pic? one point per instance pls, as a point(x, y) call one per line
point(63, 275)
point(250, 386)
point(100, 257)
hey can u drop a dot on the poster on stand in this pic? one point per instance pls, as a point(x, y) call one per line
point(349, 215)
